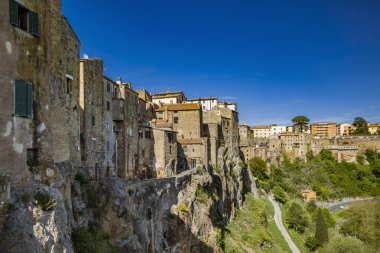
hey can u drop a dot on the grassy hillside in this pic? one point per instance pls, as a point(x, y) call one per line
point(254, 229)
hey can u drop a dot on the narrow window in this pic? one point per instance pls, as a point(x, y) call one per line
point(108, 87)
point(68, 85)
point(108, 105)
point(93, 121)
point(175, 120)
point(23, 99)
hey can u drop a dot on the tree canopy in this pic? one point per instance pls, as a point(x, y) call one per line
point(361, 126)
point(301, 122)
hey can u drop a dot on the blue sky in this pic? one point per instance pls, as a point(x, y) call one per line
point(275, 58)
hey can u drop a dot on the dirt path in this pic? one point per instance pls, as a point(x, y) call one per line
point(280, 225)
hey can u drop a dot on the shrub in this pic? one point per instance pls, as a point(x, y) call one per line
point(311, 243)
point(25, 197)
point(45, 201)
point(92, 239)
point(311, 206)
point(258, 167)
point(296, 218)
point(346, 244)
point(182, 207)
point(201, 195)
point(80, 178)
point(279, 194)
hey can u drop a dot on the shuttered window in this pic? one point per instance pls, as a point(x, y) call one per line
point(23, 18)
point(13, 12)
point(23, 99)
point(33, 23)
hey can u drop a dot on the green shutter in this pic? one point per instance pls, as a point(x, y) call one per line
point(34, 23)
point(13, 12)
point(29, 101)
point(21, 97)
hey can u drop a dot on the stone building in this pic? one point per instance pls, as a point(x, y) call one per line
point(93, 105)
point(295, 144)
point(39, 72)
point(165, 152)
point(193, 153)
point(168, 97)
point(261, 131)
point(245, 135)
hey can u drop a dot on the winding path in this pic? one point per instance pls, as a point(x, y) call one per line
point(280, 225)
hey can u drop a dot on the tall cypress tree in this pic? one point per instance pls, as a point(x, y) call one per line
point(321, 232)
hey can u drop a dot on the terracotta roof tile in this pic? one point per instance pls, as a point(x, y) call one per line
point(179, 107)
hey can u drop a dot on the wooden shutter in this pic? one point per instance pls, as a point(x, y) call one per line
point(29, 100)
point(34, 23)
point(13, 12)
point(21, 97)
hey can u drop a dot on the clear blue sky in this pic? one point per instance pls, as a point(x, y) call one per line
point(275, 58)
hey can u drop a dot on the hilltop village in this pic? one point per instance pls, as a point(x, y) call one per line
point(85, 155)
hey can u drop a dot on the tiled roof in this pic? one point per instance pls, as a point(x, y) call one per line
point(192, 141)
point(179, 107)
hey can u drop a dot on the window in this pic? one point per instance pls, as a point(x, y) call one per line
point(193, 163)
point(93, 121)
point(170, 138)
point(185, 150)
point(23, 99)
point(32, 157)
point(148, 134)
point(108, 105)
point(23, 18)
point(143, 153)
point(68, 85)
point(175, 120)
point(108, 87)
point(141, 135)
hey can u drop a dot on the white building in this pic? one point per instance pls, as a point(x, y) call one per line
point(261, 131)
point(344, 129)
point(207, 104)
point(228, 105)
point(277, 130)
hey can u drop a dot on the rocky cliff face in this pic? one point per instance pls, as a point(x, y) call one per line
point(186, 213)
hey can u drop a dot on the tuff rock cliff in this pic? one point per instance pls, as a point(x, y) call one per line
point(186, 213)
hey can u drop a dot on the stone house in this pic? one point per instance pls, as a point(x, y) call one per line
point(168, 97)
point(93, 105)
point(40, 74)
point(193, 153)
point(295, 144)
point(245, 135)
point(165, 152)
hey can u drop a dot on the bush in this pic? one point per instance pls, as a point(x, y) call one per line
point(311, 243)
point(80, 178)
point(25, 197)
point(45, 201)
point(258, 167)
point(92, 239)
point(201, 195)
point(182, 207)
point(296, 218)
point(279, 194)
point(346, 244)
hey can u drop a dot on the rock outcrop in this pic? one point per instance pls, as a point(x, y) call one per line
point(186, 213)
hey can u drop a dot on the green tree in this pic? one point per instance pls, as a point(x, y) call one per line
point(346, 244)
point(258, 167)
point(321, 232)
point(297, 218)
point(361, 126)
point(279, 194)
point(301, 122)
point(326, 155)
